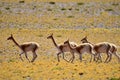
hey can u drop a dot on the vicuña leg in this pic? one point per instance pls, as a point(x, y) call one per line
point(34, 56)
point(118, 56)
point(80, 57)
point(91, 57)
point(26, 56)
point(94, 57)
point(72, 58)
point(108, 55)
point(21, 56)
point(58, 56)
point(64, 57)
point(99, 57)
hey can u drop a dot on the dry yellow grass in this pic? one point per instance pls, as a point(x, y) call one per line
point(46, 66)
point(50, 22)
point(45, 15)
point(61, 0)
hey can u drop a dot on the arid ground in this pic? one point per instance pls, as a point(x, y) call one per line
point(30, 20)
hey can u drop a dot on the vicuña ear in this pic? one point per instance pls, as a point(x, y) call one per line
point(68, 39)
point(86, 37)
point(11, 35)
point(51, 34)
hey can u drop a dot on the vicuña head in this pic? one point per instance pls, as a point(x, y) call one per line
point(66, 42)
point(50, 36)
point(84, 40)
point(10, 38)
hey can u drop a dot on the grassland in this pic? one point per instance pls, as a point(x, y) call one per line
point(34, 20)
point(61, 0)
point(60, 14)
point(46, 66)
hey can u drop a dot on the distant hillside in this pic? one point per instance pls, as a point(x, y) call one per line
point(59, 14)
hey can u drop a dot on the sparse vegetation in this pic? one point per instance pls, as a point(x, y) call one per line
point(34, 7)
point(55, 19)
point(70, 9)
point(77, 9)
point(57, 68)
point(115, 4)
point(108, 9)
point(49, 9)
point(70, 16)
point(46, 64)
point(0, 12)
point(0, 52)
point(21, 1)
point(115, 79)
point(63, 9)
point(40, 35)
point(43, 13)
point(34, 20)
point(11, 60)
point(52, 2)
point(7, 8)
point(80, 3)
point(59, 35)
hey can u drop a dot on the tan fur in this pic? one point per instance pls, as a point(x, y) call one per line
point(25, 47)
point(81, 49)
point(61, 47)
point(66, 48)
point(104, 47)
point(30, 46)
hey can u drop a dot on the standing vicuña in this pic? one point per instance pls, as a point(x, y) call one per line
point(104, 47)
point(25, 47)
point(61, 48)
point(82, 48)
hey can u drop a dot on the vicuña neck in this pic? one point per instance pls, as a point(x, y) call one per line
point(86, 41)
point(70, 46)
point(54, 42)
point(89, 42)
point(16, 43)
